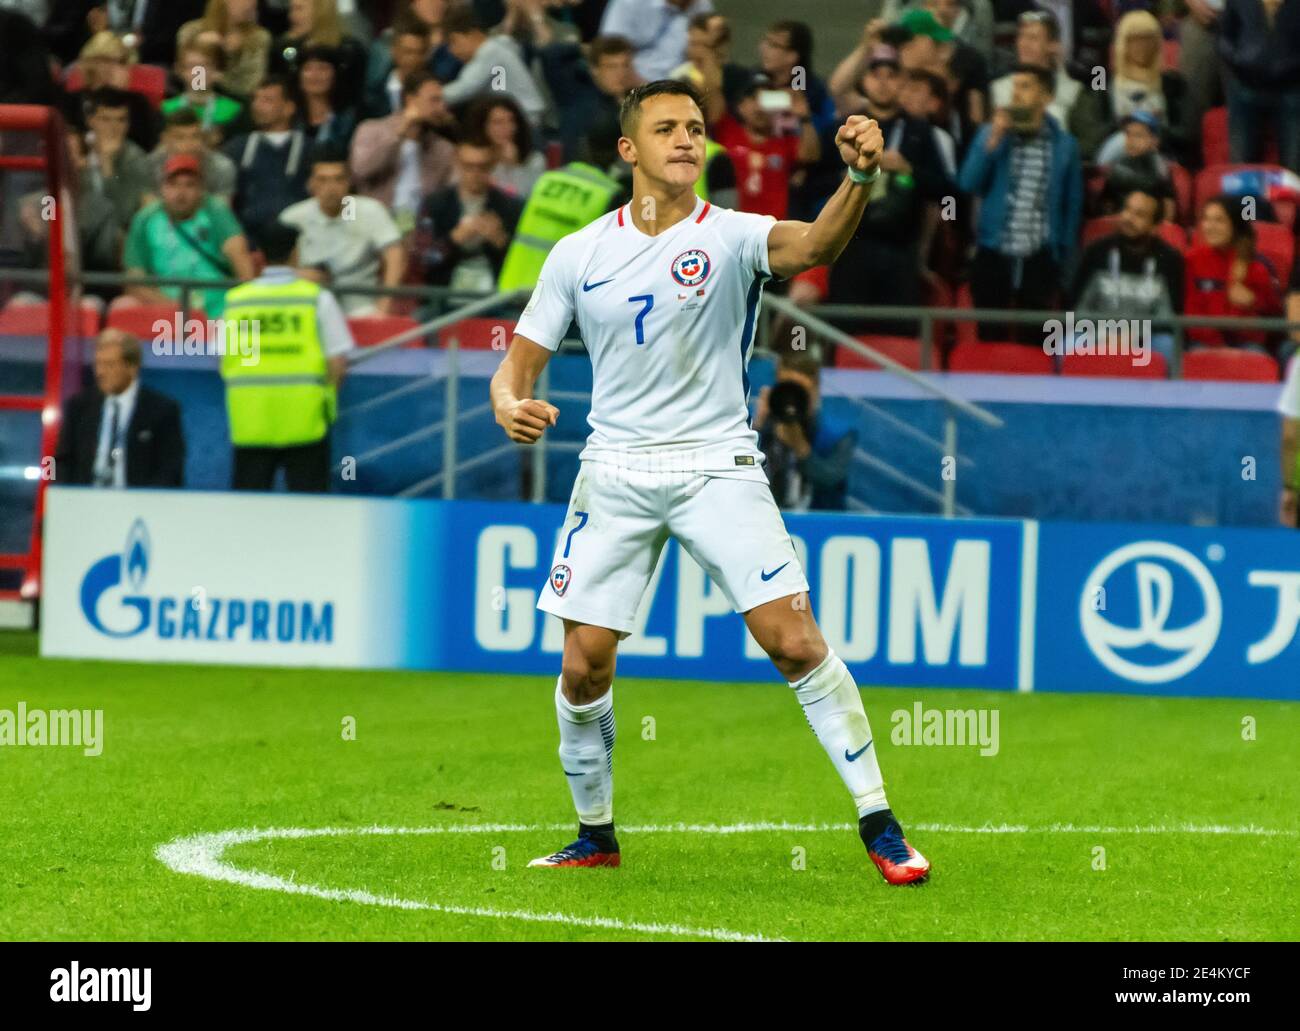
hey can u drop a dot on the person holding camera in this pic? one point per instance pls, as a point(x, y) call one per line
point(808, 452)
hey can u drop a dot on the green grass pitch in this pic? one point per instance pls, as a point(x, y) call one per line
point(193, 750)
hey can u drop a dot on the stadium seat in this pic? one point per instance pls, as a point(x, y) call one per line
point(1173, 52)
point(478, 334)
point(147, 79)
point(369, 330)
point(33, 319)
point(1227, 363)
point(1209, 180)
point(904, 350)
point(936, 293)
point(1096, 228)
point(967, 332)
point(988, 356)
point(139, 319)
point(1215, 146)
point(1119, 366)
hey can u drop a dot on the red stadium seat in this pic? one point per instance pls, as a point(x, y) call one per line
point(966, 329)
point(1096, 228)
point(1227, 363)
point(1209, 180)
point(1184, 192)
point(149, 80)
point(139, 319)
point(904, 350)
point(368, 330)
point(24, 319)
point(479, 334)
point(1214, 137)
point(986, 356)
point(1119, 366)
point(1173, 52)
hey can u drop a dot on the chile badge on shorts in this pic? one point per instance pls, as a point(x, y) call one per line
point(560, 577)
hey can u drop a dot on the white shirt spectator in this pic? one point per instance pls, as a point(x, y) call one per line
point(350, 248)
point(498, 65)
point(656, 30)
point(110, 455)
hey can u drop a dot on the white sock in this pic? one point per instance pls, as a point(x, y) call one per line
point(833, 705)
point(587, 754)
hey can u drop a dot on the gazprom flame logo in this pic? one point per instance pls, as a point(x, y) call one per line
point(112, 606)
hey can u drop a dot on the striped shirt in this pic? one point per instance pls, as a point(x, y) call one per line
point(1025, 230)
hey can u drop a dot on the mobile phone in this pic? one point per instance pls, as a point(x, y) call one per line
point(773, 100)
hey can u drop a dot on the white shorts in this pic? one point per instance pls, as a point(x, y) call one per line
point(618, 522)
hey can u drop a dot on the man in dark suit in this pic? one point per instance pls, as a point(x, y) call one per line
point(122, 433)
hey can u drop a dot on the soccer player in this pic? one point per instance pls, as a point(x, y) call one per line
point(665, 291)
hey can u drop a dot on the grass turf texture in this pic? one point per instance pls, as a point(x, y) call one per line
point(195, 749)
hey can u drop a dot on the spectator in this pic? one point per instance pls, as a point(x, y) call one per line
point(808, 452)
point(500, 121)
point(105, 62)
point(271, 160)
point(183, 135)
point(466, 229)
point(1226, 277)
point(1025, 169)
point(281, 411)
point(1038, 42)
point(188, 234)
point(425, 14)
point(1138, 82)
point(314, 24)
point(121, 433)
point(708, 67)
point(535, 23)
point(971, 21)
point(764, 157)
point(154, 23)
point(198, 85)
point(25, 74)
point(786, 50)
point(1259, 41)
point(1198, 58)
point(588, 92)
point(1288, 406)
point(924, 96)
point(1132, 273)
point(364, 248)
point(400, 159)
point(1138, 167)
point(657, 30)
point(321, 117)
point(491, 64)
point(115, 181)
point(232, 26)
point(409, 50)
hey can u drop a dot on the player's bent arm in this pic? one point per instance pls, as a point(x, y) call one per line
point(794, 247)
point(522, 416)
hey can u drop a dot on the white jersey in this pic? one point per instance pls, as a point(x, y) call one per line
point(669, 322)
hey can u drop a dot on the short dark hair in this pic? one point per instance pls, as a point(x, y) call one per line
point(629, 112)
point(327, 153)
point(480, 110)
point(801, 40)
point(107, 96)
point(410, 24)
point(277, 241)
point(182, 116)
point(412, 83)
point(1144, 191)
point(937, 83)
point(603, 46)
point(460, 18)
point(1044, 76)
point(287, 87)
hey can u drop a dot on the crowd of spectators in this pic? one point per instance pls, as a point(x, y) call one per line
point(403, 140)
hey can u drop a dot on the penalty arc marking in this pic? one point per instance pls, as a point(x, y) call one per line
point(202, 855)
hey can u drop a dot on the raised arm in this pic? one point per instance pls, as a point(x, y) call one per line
point(794, 247)
point(522, 416)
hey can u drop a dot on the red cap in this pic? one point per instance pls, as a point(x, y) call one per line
point(181, 163)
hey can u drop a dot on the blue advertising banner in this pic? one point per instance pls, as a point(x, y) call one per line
point(1168, 610)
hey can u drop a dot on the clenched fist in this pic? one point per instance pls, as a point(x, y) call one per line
point(860, 143)
point(525, 420)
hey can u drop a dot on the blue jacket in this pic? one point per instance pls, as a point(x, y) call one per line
point(988, 175)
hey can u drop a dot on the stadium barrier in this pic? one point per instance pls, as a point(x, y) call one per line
point(918, 601)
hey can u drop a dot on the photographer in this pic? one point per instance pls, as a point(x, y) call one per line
point(808, 453)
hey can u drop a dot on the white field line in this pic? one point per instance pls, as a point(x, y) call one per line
point(201, 855)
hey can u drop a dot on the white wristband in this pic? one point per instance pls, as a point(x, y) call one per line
point(862, 177)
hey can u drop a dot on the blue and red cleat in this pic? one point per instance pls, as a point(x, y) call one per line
point(593, 848)
point(897, 861)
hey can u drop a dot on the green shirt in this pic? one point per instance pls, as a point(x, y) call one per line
point(219, 110)
point(156, 247)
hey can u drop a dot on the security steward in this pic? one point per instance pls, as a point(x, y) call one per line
point(287, 346)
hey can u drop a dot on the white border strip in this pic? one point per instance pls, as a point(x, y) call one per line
point(1028, 602)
